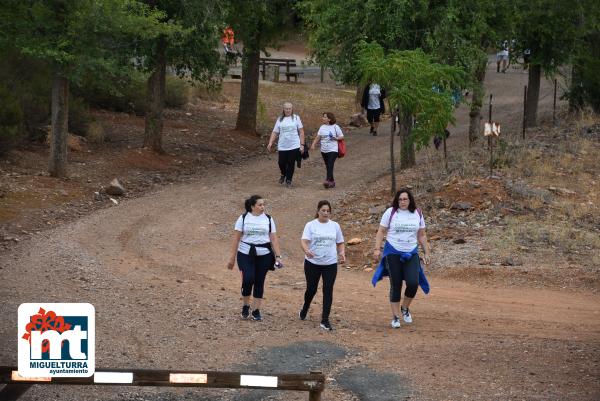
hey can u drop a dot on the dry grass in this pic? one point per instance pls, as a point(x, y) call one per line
point(563, 224)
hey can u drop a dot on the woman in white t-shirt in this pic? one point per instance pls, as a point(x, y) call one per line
point(256, 245)
point(322, 242)
point(404, 228)
point(328, 136)
point(289, 133)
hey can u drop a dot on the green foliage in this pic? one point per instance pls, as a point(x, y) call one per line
point(260, 23)
point(337, 28)
point(192, 40)
point(79, 118)
point(415, 83)
point(131, 97)
point(176, 92)
point(11, 118)
point(78, 37)
point(549, 28)
point(29, 81)
point(585, 80)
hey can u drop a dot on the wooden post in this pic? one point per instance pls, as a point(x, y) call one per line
point(491, 140)
point(322, 74)
point(524, 109)
point(445, 154)
point(264, 69)
point(554, 104)
point(287, 70)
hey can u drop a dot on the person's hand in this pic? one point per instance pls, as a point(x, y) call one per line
point(270, 147)
point(342, 257)
point(313, 146)
point(377, 253)
point(309, 254)
point(230, 265)
point(426, 259)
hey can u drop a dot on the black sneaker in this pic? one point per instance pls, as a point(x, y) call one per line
point(245, 311)
point(325, 325)
point(256, 315)
point(374, 133)
point(288, 183)
point(282, 179)
point(302, 314)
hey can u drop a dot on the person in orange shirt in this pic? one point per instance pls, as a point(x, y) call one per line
point(228, 39)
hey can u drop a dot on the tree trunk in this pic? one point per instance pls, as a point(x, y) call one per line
point(533, 94)
point(155, 100)
point(358, 98)
point(60, 123)
point(407, 147)
point(246, 119)
point(392, 161)
point(477, 102)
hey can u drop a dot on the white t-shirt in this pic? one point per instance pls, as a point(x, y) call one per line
point(323, 239)
point(288, 130)
point(374, 92)
point(402, 230)
point(328, 134)
point(255, 231)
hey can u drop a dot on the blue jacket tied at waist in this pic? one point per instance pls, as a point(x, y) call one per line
point(381, 271)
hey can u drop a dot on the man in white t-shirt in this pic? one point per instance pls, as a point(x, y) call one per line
point(372, 103)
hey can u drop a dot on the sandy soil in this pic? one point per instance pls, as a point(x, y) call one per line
point(154, 268)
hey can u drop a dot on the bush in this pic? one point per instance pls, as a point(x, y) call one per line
point(127, 95)
point(176, 92)
point(11, 119)
point(131, 95)
point(29, 82)
point(78, 116)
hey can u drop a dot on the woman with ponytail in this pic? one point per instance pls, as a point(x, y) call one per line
point(256, 247)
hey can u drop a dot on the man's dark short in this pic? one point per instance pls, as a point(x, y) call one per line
point(373, 115)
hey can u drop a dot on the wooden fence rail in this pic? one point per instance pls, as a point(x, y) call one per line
point(314, 382)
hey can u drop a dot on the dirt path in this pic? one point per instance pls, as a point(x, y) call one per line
point(154, 268)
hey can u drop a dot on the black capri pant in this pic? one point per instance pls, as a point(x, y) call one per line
point(254, 271)
point(313, 274)
point(399, 271)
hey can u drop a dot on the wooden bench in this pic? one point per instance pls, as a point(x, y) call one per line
point(280, 62)
point(293, 74)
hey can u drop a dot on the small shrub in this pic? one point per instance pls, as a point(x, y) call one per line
point(11, 119)
point(78, 116)
point(176, 92)
point(95, 132)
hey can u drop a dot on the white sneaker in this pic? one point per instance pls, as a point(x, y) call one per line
point(406, 315)
point(396, 322)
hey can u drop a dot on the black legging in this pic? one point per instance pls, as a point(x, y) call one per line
point(254, 271)
point(287, 162)
point(313, 274)
point(329, 159)
point(398, 271)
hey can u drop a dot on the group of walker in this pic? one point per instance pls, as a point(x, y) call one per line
point(291, 145)
point(256, 248)
point(291, 140)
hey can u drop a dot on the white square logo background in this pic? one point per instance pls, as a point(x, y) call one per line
point(27, 310)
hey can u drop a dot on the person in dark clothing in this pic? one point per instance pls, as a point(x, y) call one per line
point(372, 103)
point(439, 138)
